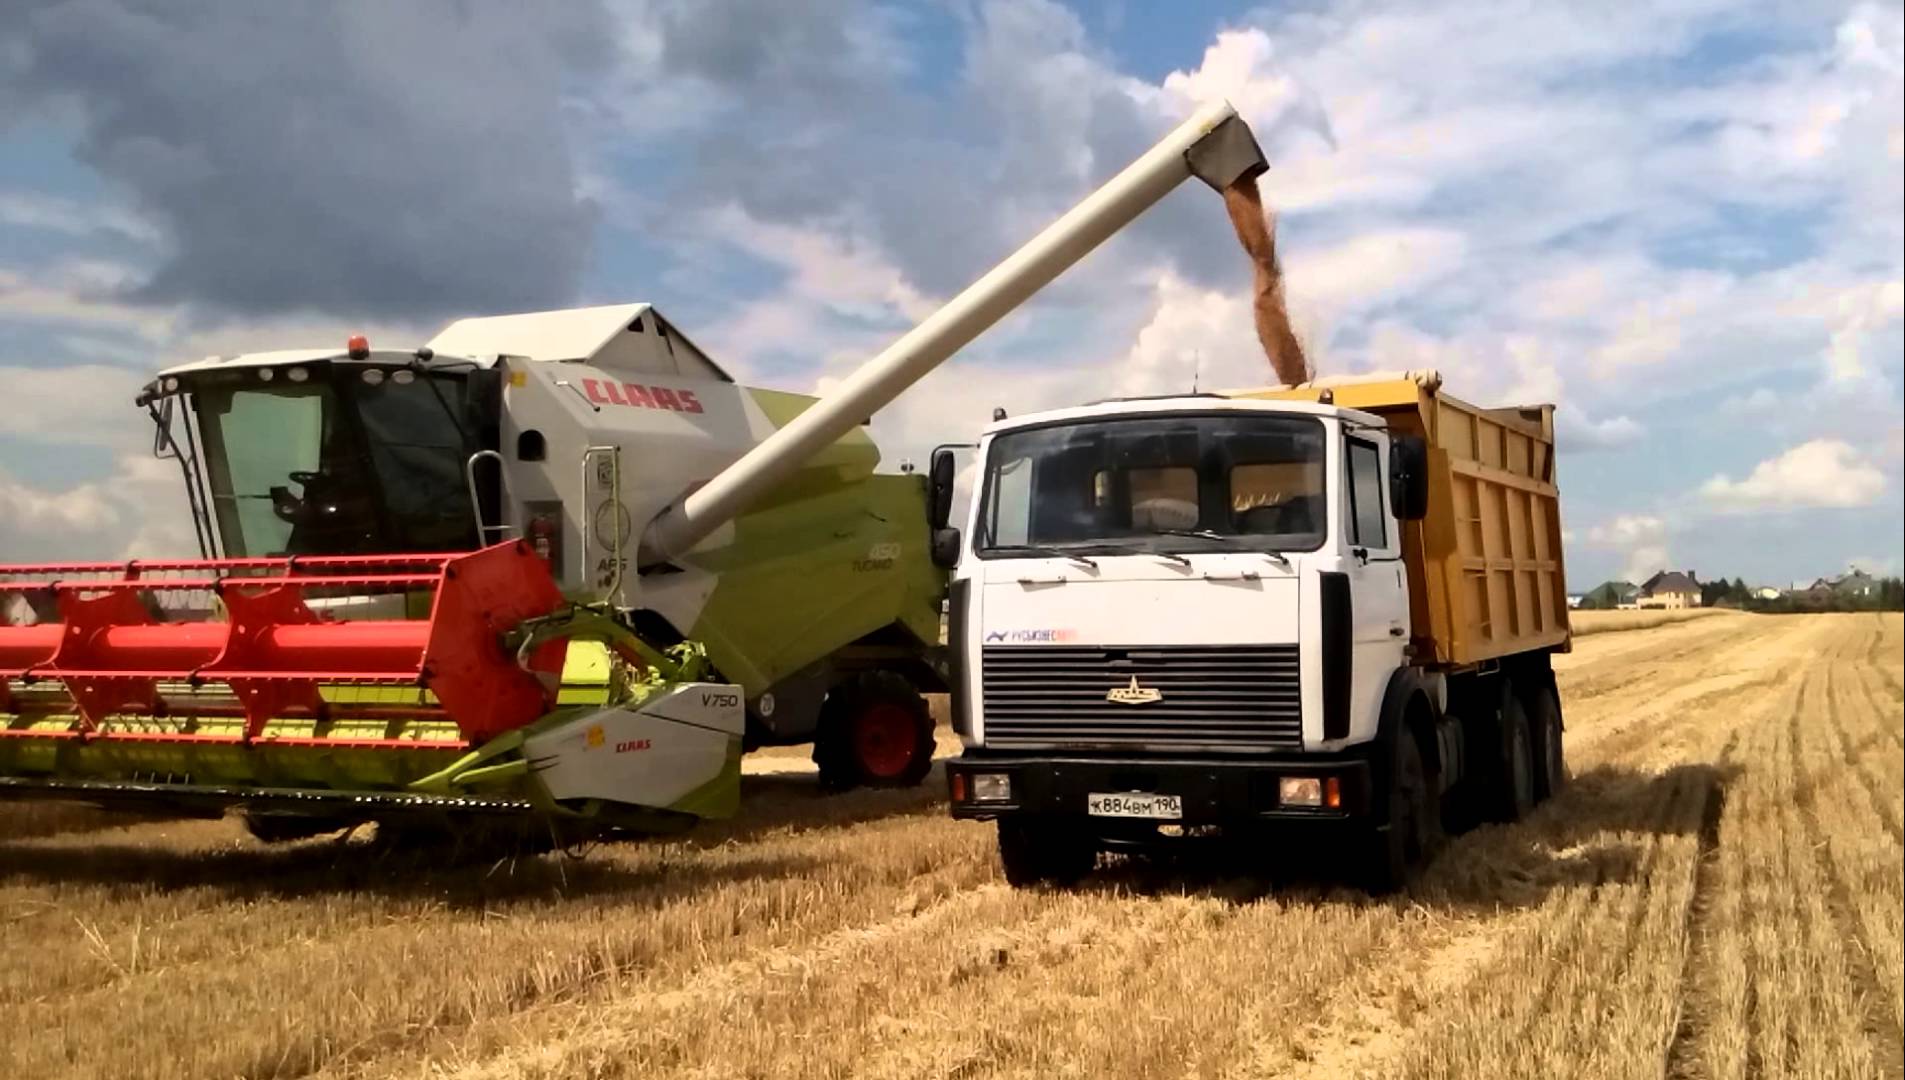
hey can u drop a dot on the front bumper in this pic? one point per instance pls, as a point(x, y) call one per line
point(1214, 791)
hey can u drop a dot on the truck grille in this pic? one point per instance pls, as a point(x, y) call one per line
point(1211, 697)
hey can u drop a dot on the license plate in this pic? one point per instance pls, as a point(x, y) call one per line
point(1139, 804)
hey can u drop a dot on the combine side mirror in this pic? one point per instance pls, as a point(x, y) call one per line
point(1409, 476)
point(944, 471)
point(946, 545)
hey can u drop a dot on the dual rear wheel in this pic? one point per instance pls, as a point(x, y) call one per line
point(1522, 764)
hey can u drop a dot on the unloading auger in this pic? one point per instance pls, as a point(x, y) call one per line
point(553, 568)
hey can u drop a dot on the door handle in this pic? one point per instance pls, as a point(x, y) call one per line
point(1361, 555)
point(1397, 631)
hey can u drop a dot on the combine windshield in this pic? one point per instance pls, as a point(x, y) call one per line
point(1202, 482)
point(345, 460)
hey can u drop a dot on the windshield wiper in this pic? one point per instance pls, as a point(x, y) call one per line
point(1232, 542)
point(1129, 549)
point(1048, 552)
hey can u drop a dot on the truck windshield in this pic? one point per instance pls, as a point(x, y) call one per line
point(1155, 483)
point(346, 460)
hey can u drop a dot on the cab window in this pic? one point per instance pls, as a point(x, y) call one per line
point(1368, 525)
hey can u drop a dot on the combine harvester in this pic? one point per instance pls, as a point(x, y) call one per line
point(552, 572)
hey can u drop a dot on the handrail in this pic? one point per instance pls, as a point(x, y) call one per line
point(501, 529)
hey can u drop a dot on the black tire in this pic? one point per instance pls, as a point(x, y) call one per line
point(1414, 821)
point(1514, 794)
point(1551, 763)
point(1039, 853)
point(874, 731)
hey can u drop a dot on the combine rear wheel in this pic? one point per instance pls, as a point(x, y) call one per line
point(875, 731)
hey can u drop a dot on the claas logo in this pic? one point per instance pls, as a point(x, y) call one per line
point(646, 397)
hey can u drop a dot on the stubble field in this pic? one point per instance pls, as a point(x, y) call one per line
point(1718, 894)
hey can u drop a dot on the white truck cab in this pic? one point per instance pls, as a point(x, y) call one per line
point(1194, 610)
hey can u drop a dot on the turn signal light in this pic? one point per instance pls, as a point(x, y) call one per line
point(1333, 793)
point(959, 787)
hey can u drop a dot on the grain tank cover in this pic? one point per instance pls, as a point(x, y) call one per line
point(617, 337)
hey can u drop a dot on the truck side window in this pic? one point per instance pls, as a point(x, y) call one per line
point(1367, 522)
point(1009, 515)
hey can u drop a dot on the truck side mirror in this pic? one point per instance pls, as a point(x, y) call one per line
point(1409, 476)
point(946, 544)
point(944, 471)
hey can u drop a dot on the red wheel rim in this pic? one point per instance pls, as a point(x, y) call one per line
point(883, 740)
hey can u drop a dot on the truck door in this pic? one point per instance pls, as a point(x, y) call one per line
point(1379, 598)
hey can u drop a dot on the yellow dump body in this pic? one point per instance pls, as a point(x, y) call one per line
point(1485, 568)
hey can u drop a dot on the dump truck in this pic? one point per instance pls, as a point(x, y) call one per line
point(549, 572)
point(1316, 612)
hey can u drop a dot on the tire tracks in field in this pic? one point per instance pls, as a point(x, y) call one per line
point(206, 884)
point(1485, 956)
point(1850, 752)
point(1839, 903)
point(641, 1009)
point(1679, 1060)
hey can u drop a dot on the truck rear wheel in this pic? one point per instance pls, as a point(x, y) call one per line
point(875, 731)
point(1551, 764)
point(1400, 851)
point(1514, 794)
point(1040, 853)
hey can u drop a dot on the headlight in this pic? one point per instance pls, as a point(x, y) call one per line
point(991, 787)
point(1300, 791)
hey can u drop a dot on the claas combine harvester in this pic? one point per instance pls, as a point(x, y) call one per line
point(553, 572)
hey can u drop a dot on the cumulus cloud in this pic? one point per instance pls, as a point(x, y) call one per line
point(1639, 540)
point(1826, 473)
point(1577, 431)
point(1627, 530)
point(362, 157)
point(85, 404)
point(138, 510)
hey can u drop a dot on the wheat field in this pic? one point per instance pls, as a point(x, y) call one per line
point(1717, 894)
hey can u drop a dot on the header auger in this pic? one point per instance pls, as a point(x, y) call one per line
point(687, 568)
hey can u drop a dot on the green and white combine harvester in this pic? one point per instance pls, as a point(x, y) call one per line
point(553, 572)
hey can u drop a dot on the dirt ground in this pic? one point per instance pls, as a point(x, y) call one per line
point(1717, 894)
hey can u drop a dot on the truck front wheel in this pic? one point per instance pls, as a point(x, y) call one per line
point(1414, 821)
point(1040, 853)
point(874, 731)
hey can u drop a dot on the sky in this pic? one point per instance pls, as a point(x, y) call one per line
point(1681, 222)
